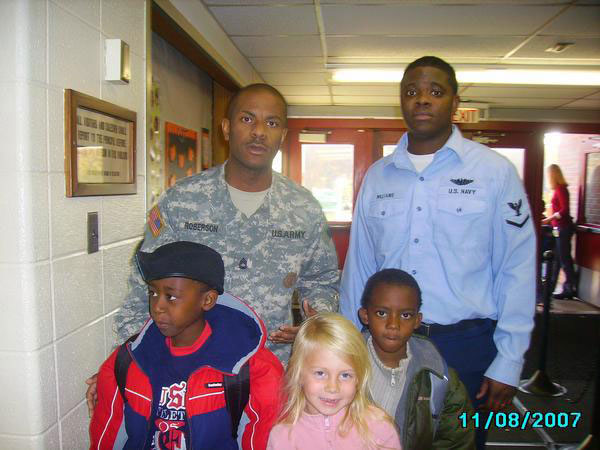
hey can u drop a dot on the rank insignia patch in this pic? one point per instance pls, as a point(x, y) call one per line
point(155, 221)
point(290, 280)
point(516, 206)
point(518, 224)
point(517, 220)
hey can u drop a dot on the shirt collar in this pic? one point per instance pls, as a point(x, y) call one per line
point(273, 190)
point(400, 156)
point(275, 179)
point(319, 420)
point(182, 351)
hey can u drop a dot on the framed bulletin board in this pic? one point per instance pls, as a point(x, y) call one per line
point(181, 153)
point(99, 147)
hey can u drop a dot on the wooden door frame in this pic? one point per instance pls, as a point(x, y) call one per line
point(534, 132)
point(362, 139)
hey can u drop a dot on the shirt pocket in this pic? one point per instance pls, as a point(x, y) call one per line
point(462, 223)
point(388, 225)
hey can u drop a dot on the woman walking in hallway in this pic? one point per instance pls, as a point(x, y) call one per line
point(562, 229)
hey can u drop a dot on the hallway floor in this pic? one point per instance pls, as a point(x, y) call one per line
point(573, 347)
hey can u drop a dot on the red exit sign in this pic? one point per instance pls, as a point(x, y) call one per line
point(466, 115)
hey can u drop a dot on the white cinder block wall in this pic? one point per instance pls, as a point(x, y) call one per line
point(57, 300)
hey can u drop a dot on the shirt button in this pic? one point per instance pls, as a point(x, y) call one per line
point(414, 272)
point(419, 208)
point(383, 213)
point(421, 178)
point(416, 241)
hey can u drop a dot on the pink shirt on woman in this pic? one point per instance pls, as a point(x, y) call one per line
point(319, 432)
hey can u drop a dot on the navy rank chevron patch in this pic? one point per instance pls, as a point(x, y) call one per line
point(518, 224)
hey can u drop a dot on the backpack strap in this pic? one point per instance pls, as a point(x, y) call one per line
point(439, 388)
point(237, 393)
point(122, 363)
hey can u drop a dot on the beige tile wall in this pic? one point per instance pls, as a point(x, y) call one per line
point(59, 301)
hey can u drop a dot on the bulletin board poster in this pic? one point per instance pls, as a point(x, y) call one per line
point(181, 153)
point(206, 149)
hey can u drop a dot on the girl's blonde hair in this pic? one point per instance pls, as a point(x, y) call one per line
point(337, 334)
point(555, 176)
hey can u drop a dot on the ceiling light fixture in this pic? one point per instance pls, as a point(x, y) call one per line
point(559, 47)
point(481, 76)
point(367, 76)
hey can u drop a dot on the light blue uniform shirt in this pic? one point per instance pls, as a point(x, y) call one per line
point(463, 228)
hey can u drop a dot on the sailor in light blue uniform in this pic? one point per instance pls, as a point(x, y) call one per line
point(454, 214)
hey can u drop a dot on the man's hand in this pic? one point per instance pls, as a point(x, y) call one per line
point(286, 334)
point(499, 394)
point(91, 394)
point(546, 220)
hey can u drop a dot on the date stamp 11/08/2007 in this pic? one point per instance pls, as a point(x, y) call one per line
point(515, 420)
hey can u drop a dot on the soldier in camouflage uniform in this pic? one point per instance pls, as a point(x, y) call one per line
point(284, 245)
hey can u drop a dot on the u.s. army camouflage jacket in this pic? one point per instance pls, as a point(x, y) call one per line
point(284, 245)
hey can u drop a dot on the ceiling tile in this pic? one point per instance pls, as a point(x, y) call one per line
point(366, 100)
point(447, 47)
point(366, 89)
point(288, 64)
point(426, 19)
point(308, 99)
point(577, 21)
point(298, 79)
point(518, 102)
point(254, 2)
point(262, 46)
point(448, 2)
point(527, 92)
point(280, 39)
point(584, 48)
point(266, 20)
point(595, 95)
point(583, 104)
point(303, 90)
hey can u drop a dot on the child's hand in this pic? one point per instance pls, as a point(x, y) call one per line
point(286, 334)
point(91, 394)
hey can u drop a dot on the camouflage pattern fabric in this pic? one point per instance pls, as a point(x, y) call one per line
point(284, 245)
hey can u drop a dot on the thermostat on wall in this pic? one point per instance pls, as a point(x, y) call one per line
point(117, 61)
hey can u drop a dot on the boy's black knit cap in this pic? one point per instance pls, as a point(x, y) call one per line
point(185, 260)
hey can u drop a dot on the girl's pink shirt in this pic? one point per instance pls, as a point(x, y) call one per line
point(319, 432)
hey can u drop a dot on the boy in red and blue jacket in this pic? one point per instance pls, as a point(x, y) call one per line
point(175, 381)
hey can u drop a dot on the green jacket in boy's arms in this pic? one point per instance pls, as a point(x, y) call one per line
point(414, 413)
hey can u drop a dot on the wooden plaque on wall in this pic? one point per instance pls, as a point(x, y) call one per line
point(99, 147)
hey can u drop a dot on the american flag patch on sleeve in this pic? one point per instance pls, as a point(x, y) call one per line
point(155, 221)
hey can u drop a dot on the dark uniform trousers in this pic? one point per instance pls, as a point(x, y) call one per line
point(468, 347)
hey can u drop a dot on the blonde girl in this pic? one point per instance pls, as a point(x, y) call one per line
point(326, 388)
